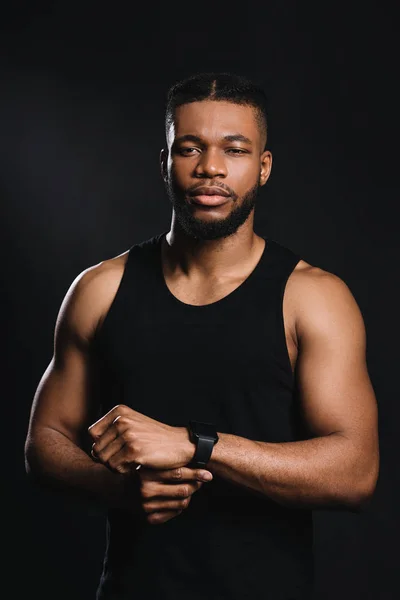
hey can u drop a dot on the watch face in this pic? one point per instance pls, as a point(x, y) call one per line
point(203, 429)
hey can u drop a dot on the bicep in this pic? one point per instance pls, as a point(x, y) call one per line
point(335, 389)
point(64, 400)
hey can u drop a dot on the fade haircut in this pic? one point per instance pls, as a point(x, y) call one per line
point(218, 86)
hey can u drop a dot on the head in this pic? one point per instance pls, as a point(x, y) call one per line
point(216, 132)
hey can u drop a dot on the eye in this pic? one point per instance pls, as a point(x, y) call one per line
point(237, 151)
point(186, 151)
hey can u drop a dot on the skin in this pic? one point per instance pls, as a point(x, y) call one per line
point(214, 151)
point(237, 167)
point(325, 336)
point(56, 449)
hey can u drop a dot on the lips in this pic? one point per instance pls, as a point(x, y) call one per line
point(210, 200)
point(210, 196)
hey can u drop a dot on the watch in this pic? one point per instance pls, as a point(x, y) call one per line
point(204, 435)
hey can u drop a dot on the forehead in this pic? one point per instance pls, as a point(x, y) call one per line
point(213, 119)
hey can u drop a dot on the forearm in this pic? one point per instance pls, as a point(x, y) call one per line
point(320, 472)
point(53, 460)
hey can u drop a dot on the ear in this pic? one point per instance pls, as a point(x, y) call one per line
point(163, 164)
point(265, 166)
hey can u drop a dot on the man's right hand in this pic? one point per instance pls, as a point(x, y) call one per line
point(165, 493)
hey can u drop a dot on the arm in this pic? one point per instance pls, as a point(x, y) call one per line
point(64, 403)
point(339, 466)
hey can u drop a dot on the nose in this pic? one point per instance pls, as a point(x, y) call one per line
point(211, 164)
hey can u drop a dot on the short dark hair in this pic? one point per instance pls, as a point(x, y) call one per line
point(217, 86)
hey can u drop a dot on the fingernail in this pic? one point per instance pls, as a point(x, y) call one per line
point(206, 476)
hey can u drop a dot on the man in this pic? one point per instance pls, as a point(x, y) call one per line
point(209, 349)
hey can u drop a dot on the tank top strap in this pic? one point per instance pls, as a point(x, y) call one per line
point(277, 261)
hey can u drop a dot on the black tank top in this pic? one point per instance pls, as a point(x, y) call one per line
point(225, 363)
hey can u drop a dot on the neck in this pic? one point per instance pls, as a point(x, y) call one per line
point(224, 257)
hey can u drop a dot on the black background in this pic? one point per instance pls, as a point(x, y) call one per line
point(81, 116)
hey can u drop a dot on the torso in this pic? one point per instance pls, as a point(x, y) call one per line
point(214, 291)
point(201, 294)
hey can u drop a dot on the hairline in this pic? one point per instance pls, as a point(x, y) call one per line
point(259, 115)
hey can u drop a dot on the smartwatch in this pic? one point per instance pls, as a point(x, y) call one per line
point(205, 437)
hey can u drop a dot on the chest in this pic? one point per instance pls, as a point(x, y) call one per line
point(210, 354)
point(202, 293)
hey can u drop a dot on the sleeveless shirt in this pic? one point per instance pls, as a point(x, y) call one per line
point(225, 363)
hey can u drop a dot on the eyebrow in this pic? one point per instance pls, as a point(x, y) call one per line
point(236, 137)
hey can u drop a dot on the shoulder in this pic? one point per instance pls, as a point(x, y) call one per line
point(90, 295)
point(321, 301)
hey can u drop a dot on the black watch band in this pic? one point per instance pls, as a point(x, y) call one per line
point(204, 435)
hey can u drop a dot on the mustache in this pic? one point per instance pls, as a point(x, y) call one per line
point(220, 185)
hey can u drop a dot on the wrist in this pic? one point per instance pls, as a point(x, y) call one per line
point(221, 451)
point(188, 447)
point(204, 437)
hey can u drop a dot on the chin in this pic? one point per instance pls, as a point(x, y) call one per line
point(209, 229)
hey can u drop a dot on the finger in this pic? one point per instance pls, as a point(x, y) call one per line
point(163, 516)
point(113, 454)
point(123, 460)
point(95, 458)
point(108, 436)
point(105, 452)
point(158, 505)
point(101, 425)
point(184, 474)
point(102, 442)
point(158, 493)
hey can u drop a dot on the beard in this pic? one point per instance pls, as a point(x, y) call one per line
point(213, 229)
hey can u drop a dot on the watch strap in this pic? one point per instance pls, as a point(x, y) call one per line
point(203, 452)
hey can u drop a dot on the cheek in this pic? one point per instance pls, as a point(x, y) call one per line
point(245, 176)
point(181, 174)
point(179, 169)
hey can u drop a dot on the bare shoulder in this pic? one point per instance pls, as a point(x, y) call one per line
point(90, 295)
point(320, 300)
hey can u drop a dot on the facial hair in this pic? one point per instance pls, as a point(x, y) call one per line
point(213, 229)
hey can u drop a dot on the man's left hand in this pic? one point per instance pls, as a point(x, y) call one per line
point(124, 438)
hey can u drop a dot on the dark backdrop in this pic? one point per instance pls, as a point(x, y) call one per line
point(81, 117)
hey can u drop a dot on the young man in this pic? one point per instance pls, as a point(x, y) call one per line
point(209, 349)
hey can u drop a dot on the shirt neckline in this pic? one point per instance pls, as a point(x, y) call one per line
point(225, 299)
